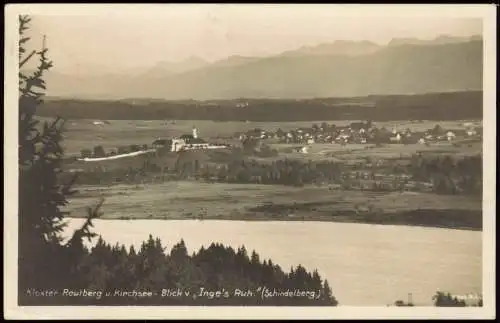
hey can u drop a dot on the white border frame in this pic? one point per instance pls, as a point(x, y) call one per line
point(12, 311)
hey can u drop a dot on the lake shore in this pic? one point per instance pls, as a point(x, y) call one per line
point(366, 265)
point(459, 222)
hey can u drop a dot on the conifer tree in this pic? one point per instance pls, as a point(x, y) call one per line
point(43, 259)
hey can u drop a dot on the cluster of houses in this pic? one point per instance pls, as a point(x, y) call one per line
point(360, 133)
point(185, 142)
point(182, 143)
point(242, 105)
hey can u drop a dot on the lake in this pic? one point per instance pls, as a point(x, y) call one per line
point(366, 265)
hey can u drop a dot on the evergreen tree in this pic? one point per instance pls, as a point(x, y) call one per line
point(41, 196)
point(327, 294)
point(447, 300)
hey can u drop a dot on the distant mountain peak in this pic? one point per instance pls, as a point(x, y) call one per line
point(234, 60)
point(337, 69)
point(338, 47)
point(194, 58)
point(439, 40)
point(175, 67)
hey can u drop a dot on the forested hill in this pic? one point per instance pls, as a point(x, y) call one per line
point(433, 106)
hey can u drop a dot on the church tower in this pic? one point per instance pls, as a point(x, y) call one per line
point(195, 132)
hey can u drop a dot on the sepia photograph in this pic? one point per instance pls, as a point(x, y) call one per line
point(239, 161)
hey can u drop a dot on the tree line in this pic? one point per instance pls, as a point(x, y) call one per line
point(442, 299)
point(236, 274)
point(449, 175)
point(444, 174)
point(433, 106)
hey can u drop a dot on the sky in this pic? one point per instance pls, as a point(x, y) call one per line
point(114, 40)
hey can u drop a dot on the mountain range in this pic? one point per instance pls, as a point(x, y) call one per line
point(339, 69)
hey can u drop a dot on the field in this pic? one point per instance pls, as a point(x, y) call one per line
point(181, 198)
point(188, 200)
point(352, 152)
point(82, 133)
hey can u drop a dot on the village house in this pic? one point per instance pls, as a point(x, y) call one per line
point(242, 104)
point(396, 138)
point(471, 132)
point(343, 137)
point(177, 144)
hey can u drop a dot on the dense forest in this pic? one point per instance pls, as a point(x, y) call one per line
point(217, 275)
point(433, 106)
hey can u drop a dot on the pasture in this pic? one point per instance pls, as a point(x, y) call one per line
point(151, 199)
point(186, 200)
point(353, 152)
point(83, 134)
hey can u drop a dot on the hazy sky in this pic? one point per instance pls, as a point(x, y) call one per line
point(117, 39)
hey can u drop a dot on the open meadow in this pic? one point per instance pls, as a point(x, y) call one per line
point(134, 191)
point(83, 134)
point(353, 152)
point(184, 200)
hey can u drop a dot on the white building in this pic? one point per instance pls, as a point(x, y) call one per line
point(471, 132)
point(242, 105)
point(177, 144)
point(450, 135)
point(343, 137)
point(396, 138)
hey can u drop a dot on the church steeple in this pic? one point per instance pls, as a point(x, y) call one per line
point(195, 132)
